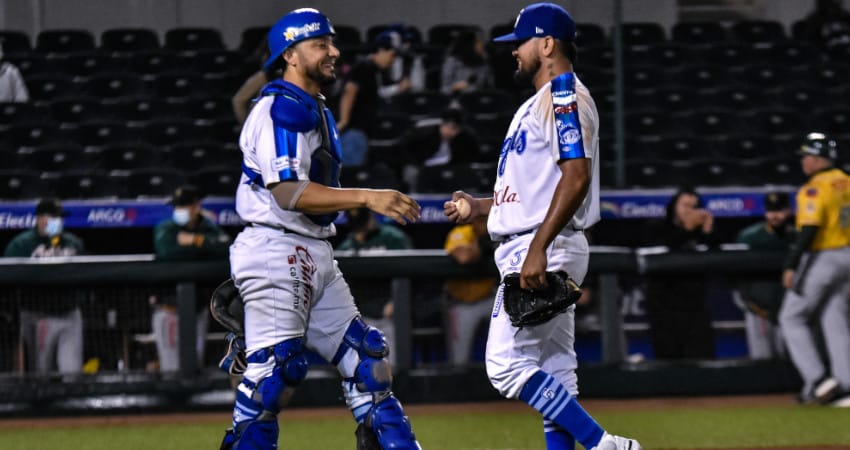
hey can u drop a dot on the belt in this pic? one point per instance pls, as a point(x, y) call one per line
point(511, 237)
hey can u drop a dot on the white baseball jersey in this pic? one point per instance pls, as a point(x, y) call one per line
point(278, 154)
point(539, 136)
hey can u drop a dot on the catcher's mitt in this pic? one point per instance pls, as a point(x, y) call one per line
point(227, 309)
point(527, 307)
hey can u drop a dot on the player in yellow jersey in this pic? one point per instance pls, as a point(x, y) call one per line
point(817, 276)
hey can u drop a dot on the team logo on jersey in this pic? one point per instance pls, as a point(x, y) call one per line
point(548, 393)
point(514, 143)
point(567, 133)
point(505, 195)
point(812, 192)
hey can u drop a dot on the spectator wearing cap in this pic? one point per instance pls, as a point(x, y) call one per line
point(188, 235)
point(815, 307)
point(760, 297)
point(358, 103)
point(51, 321)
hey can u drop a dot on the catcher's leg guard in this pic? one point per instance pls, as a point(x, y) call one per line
point(257, 404)
point(368, 393)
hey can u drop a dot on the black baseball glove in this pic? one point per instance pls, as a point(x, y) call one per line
point(527, 307)
point(227, 309)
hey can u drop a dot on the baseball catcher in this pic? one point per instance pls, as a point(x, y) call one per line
point(527, 307)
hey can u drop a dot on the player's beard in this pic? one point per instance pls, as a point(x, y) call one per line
point(525, 73)
point(316, 74)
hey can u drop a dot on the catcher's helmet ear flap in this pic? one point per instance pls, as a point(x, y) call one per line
point(819, 144)
point(303, 23)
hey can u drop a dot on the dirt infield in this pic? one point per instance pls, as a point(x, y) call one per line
point(421, 409)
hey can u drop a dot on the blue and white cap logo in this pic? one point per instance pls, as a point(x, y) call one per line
point(298, 25)
point(541, 19)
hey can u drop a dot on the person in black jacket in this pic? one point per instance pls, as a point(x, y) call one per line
point(679, 317)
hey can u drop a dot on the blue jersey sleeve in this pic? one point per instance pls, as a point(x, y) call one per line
point(565, 104)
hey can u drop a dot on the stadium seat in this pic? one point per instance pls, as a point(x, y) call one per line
point(798, 30)
point(749, 146)
point(784, 170)
point(647, 123)
point(729, 54)
point(30, 64)
point(832, 74)
point(209, 108)
point(141, 108)
point(126, 156)
point(776, 121)
point(680, 148)
point(839, 53)
point(169, 131)
point(348, 35)
point(179, 84)
point(16, 112)
point(716, 172)
point(710, 122)
point(758, 31)
point(378, 176)
point(213, 62)
point(253, 39)
point(64, 41)
point(595, 78)
point(189, 39)
point(21, 185)
point(101, 132)
point(219, 181)
point(86, 64)
point(15, 42)
point(832, 119)
point(75, 109)
point(33, 134)
point(491, 126)
point(114, 85)
point(128, 40)
point(674, 99)
point(670, 55)
point(487, 102)
point(701, 76)
point(153, 62)
point(731, 97)
point(698, 33)
point(644, 77)
point(448, 178)
point(388, 129)
point(588, 34)
point(444, 34)
point(795, 54)
point(48, 87)
point(599, 56)
point(650, 173)
point(419, 105)
point(191, 156)
point(85, 184)
point(57, 158)
point(642, 33)
point(765, 76)
point(802, 97)
point(225, 130)
point(153, 182)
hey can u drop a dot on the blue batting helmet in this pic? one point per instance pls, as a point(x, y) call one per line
point(303, 23)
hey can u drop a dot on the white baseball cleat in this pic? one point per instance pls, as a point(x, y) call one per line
point(826, 389)
point(612, 442)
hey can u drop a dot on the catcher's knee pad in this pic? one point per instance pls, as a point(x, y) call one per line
point(257, 404)
point(373, 372)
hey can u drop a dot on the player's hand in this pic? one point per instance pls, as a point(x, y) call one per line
point(787, 278)
point(394, 204)
point(404, 85)
point(450, 208)
point(707, 221)
point(533, 272)
point(185, 238)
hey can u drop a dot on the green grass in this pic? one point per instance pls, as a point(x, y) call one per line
point(656, 429)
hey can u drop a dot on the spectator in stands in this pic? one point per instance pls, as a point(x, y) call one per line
point(449, 143)
point(241, 100)
point(828, 25)
point(408, 69)
point(51, 324)
point(373, 297)
point(186, 236)
point(761, 297)
point(679, 317)
point(469, 299)
point(12, 87)
point(358, 103)
point(466, 68)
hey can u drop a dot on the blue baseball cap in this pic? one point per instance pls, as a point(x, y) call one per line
point(541, 19)
point(303, 23)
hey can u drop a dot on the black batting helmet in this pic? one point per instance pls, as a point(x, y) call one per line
point(819, 144)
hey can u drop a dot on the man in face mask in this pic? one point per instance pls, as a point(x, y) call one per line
point(187, 235)
point(50, 318)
